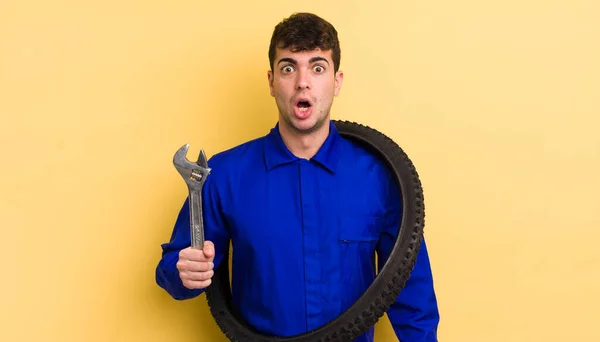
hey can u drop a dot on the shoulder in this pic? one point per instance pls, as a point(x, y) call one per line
point(238, 154)
point(359, 155)
point(363, 162)
point(229, 164)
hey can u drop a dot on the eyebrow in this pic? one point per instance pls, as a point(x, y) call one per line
point(294, 62)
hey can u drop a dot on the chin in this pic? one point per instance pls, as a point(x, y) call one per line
point(307, 126)
point(303, 126)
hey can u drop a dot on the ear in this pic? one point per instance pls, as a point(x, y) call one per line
point(339, 77)
point(270, 77)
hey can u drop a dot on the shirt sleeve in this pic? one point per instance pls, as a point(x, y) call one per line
point(414, 316)
point(167, 274)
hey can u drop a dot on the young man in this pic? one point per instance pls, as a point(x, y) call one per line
point(303, 207)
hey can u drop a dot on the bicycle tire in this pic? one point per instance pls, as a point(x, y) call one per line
point(386, 287)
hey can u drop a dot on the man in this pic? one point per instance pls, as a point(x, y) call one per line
point(304, 208)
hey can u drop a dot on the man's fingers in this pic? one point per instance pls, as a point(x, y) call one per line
point(193, 254)
point(195, 266)
point(193, 285)
point(209, 250)
point(205, 254)
point(197, 276)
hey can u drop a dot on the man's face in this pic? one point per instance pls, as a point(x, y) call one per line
point(304, 84)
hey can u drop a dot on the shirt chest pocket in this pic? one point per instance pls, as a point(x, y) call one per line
point(359, 228)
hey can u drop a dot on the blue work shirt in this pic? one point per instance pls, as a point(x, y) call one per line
point(303, 234)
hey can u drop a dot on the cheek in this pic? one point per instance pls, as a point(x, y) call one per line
point(328, 92)
point(282, 92)
point(278, 87)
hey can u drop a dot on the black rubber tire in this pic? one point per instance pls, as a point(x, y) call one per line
point(386, 287)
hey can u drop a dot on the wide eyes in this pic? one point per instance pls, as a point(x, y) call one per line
point(318, 69)
point(288, 69)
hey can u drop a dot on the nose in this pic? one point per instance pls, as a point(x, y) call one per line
point(303, 81)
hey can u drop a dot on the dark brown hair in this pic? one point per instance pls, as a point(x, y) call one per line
point(305, 32)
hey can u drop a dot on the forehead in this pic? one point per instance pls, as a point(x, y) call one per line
point(302, 56)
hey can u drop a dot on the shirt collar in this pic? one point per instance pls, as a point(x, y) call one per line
point(276, 153)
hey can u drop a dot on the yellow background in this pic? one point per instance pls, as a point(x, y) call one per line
point(497, 103)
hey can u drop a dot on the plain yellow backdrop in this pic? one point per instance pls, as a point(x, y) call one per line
point(497, 104)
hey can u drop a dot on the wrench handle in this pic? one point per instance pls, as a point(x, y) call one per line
point(196, 222)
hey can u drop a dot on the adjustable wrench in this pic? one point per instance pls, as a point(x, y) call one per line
point(194, 175)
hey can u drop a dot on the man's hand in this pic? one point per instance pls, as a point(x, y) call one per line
point(196, 266)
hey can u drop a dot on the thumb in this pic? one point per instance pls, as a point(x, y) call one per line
point(209, 250)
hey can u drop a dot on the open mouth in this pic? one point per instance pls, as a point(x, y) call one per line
point(303, 105)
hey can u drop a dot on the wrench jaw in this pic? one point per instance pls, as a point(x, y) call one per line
point(194, 174)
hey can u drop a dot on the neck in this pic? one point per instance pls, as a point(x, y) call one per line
point(303, 145)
